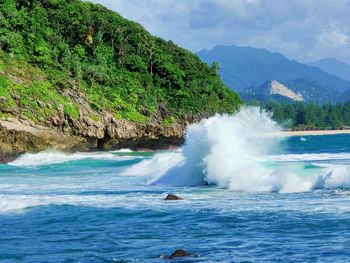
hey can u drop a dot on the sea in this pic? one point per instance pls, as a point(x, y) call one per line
point(250, 194)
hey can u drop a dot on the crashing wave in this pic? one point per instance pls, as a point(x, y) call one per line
point(233, 152)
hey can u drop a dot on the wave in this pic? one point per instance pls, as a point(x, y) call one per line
point(154, 167)
point(49, 157)
point(309, 157)
point(10, 203)
point(122, 151)
point(233, 152)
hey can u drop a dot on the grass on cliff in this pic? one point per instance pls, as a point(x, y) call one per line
point(49, 47)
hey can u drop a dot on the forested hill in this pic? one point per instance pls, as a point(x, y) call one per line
point(119, 67)
point(75, 75)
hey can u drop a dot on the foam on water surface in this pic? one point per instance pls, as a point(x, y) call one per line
point(54, 157)
point(235, 152)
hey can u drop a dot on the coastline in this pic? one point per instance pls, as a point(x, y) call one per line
point(315, 132)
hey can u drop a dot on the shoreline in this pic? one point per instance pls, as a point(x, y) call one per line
point(315, 132)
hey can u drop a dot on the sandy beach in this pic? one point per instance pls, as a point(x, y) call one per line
point(316, 132)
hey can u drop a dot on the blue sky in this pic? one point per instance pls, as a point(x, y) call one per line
point(305, 30)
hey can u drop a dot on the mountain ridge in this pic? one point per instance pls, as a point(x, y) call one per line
point(246, 67)
point(333, 66)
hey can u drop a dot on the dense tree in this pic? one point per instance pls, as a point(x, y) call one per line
point(308, 116)
point(117, 64)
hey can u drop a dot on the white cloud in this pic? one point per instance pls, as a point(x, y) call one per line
point(333, 38)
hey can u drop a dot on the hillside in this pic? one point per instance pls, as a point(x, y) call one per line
point(309, 91)
point(334, 67)
point(272, 91)
point(246, 68)
point(93, 79)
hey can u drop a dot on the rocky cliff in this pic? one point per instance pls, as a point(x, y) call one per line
point(18, 135)
point(77, 76)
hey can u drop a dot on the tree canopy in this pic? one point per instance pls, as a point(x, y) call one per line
point(309, 116)
point(117, 64)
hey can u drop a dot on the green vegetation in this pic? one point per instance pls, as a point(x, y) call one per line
point(168, 120)
point(23, 88)
point(309, 116)
point(50, 49)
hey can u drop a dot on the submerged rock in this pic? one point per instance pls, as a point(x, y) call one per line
point(179, 253)
point(171, 197)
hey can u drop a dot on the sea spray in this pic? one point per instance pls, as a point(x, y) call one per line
point(228, 151)
point(222, 149)
point(233, 152)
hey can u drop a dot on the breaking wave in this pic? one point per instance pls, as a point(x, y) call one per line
point(235, 152)
point(55, 157)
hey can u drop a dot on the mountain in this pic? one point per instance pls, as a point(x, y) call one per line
point(75, 75)
point(272, 90)
point(244, 68)
point(294, 90)
point(334, 67)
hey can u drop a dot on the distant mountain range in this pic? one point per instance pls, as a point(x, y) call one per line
point(253, 71)
point(334, 67)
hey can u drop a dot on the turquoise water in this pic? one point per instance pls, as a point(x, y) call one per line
point(103, 207)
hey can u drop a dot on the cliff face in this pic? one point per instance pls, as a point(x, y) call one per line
point(19, 134)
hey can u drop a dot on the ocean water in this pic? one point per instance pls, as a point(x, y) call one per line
point(248, 197)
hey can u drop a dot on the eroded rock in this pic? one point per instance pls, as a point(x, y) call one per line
point(171, 197)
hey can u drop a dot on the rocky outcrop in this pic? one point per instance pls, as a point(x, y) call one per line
point(282, 90)
point(179, 253)
point(18, 135)
point(171, 197)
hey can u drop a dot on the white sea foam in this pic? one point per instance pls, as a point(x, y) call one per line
point(122, 151)
point(232, 152)
point(54, 157)
point(333, 177)
point(154, 167)
point(20, 202)
point(309, 157)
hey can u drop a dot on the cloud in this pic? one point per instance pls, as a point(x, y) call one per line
point(302, 29)
point(333, 38)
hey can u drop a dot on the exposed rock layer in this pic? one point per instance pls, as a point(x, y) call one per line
point(18, 136)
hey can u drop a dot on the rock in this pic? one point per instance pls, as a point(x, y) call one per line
point(171, 197)
point(118, 107)
point(179, 253)
point(41, 104)
point(3, 99)
point(163, 109)
point(56, 121)
point(16, 97)
point(146, 112)
point(61, 131)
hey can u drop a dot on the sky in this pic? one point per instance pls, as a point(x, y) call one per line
point(305, 30)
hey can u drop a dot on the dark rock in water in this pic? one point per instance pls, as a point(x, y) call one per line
point(171, 197)
point(179, 253)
